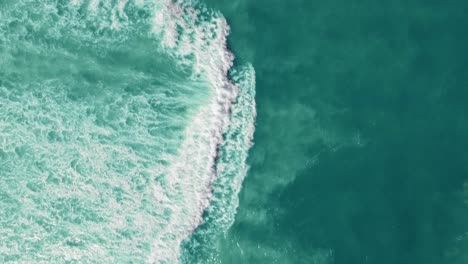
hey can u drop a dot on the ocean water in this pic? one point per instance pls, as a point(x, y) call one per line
point(116, 120)
point(360, 148)
point(126, 131)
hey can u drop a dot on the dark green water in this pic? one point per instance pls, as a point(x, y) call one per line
point(360, 151)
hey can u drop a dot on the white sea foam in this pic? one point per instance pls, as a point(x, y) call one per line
point(201, 43)
point(192, 172)
point(179, 182)
point(232, 165)
point(93, 5)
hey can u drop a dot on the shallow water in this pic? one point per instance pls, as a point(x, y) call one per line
point(116, 120)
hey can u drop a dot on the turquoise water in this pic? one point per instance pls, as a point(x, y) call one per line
point(126, 131)
point(119, 127)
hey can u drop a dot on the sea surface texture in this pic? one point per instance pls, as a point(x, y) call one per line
point(360, 151)
point(121, 123)
point(126, 127)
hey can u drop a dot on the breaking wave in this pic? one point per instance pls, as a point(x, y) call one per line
point(119, 128)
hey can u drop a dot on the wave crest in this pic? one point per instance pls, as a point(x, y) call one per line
point(116, 156)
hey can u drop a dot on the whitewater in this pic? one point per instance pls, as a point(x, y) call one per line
point(124, 130)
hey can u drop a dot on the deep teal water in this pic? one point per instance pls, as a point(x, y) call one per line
point(360, 151)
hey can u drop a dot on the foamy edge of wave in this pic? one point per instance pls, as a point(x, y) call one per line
point(204, 134)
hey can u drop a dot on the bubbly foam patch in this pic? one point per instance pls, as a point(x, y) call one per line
point(112, 115)
point(230, 169)
point(206, 42)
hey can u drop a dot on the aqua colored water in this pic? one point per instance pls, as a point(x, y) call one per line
point(118, 128)
point(125, 129)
